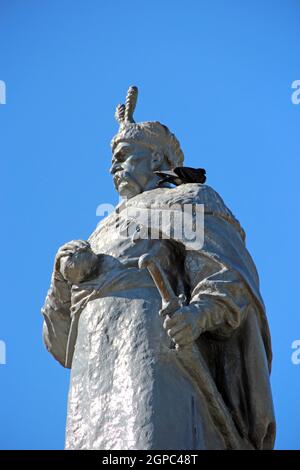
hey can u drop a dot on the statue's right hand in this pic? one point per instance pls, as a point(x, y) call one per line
point(68, 249)
point(60, 288)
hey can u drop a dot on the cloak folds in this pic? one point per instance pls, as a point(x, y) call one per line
point(222, 274)
point(126, 390)
point(239, 357)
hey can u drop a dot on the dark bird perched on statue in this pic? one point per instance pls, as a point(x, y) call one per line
point(182, 175)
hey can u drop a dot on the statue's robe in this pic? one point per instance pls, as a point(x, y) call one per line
point(127, 390)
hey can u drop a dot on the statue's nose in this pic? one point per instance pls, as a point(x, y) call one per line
point(115, 167)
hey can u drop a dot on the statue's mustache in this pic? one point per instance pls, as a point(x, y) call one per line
point(123, 175)
point(120, 176)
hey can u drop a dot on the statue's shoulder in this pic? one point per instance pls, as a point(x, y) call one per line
point(191, 193)
point(165, 198)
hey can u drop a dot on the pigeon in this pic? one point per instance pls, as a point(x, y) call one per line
point(181, 175)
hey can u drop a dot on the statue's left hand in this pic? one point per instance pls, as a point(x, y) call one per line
point(183, 326)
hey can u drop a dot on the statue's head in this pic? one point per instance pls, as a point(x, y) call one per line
point(79, 266)
point(139, 149)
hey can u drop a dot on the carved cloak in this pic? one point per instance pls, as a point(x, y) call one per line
point(126, 389)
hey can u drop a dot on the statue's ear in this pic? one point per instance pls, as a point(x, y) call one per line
point(157, 160)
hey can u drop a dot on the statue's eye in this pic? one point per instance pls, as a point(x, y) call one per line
point(120, 156)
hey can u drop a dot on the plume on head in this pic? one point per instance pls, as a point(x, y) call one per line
point(120, 113)
point(124, 112)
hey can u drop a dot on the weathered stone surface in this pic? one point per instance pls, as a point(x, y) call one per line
point(193, 378)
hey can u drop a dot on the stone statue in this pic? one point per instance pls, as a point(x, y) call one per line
point(167, 339)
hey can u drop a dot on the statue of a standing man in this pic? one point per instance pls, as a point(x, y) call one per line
point(172, 353)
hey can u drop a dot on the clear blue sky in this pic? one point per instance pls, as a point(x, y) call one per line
point(219, 74)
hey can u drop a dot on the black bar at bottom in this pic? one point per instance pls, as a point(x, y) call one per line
point(134, 459)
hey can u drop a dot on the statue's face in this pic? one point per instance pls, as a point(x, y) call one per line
point(132, 168)
point(78, 267)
